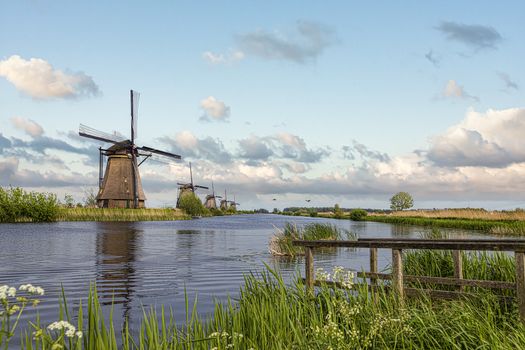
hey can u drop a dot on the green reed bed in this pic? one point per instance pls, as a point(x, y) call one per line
point(120, 214)
point(510, 227)
point(281, 242)
point(272, 315)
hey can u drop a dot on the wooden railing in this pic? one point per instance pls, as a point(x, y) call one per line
point(397, 245)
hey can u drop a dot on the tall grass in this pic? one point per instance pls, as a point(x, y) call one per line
point(120, 214)
point(281, 242)
point(516, 228)
point(465, 213)
point(17, 205)
point(492, 266)
point(271, 315)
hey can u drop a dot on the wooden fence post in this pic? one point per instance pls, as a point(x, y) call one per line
point(373, 266)
point(520, 283)
point(309, 268)
point(458, 267)
point(397, 274)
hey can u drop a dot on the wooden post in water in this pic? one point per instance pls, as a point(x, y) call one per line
point(373, 266)
point(520, 283)
point(309, 268)
point(397, 274)
point(458, 267)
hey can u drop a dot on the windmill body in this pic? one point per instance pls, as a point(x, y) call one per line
point(120, 185)
point(211, 199)
point(118, 188)
point(187, 189)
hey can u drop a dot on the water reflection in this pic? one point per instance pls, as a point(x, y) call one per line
point(116, 252)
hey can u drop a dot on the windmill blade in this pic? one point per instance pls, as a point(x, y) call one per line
point(95, 134)
point(203, 187)
point(159, 152)
point(135, 96)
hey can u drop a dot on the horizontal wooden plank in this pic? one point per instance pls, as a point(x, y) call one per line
point(390, 239)
point(494, 245)
point(416, 292)
point(444, 280)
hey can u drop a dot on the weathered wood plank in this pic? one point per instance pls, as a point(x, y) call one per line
point(443, 280)
point(397, 273)
point(520, 283)
point(373, 265)
point(494, 245)
point(309, 268)
point(458, 267)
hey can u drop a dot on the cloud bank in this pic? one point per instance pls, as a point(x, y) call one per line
point(40, 80)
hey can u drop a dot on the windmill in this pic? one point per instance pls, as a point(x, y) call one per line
point(234, 204)
point(226, 204)
point(187, 188)
point(119, 184)
point(210, 202)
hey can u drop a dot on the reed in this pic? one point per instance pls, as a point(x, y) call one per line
point(120, 214)
point(272, 315)
point(281, 242)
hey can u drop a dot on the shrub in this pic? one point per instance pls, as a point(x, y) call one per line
point(358, 214)
point(192, 205)
point(17, 205)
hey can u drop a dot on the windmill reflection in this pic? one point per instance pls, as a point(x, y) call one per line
point(117, 244)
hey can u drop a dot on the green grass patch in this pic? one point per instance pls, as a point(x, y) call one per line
point(120, 214)
point(510, 227)
point(272, 315)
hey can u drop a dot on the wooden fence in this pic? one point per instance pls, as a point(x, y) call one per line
point(397, 245)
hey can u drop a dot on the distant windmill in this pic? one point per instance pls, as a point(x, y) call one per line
point(234, 204)
point(225, 204)
point(211, 199)
point(188, 188)
point(120, 185)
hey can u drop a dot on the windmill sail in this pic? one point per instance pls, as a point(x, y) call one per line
point(135, 97)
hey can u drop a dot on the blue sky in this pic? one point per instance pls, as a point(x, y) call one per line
point(342, 102)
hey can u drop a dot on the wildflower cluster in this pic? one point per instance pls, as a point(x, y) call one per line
point(12, 305)
point(339, 275)
point(224, 340)
point(69, 330)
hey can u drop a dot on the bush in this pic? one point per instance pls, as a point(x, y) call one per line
point(192, 205)
point(358, 214)
point(17, 205)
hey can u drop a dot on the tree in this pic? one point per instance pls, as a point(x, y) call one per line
point(69, 201)
point(401, 200)
point(338, 213)
point(191, 204)
point(90, 198)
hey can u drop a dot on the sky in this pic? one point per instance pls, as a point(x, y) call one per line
point(276, 102)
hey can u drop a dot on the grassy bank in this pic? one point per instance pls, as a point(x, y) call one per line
point(510, 227)
point(116, 214)
point(272, 315)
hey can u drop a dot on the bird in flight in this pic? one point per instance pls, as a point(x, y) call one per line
point(308, 200)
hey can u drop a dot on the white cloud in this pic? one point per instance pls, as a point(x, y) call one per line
point(29, 126)
point(39, 79)
point(219, 58)
point(214, 110)
point(454, 90)
point(491, 139)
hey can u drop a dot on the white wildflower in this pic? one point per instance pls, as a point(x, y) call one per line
point(11, 292)
point(70, 330)
point(31, 289)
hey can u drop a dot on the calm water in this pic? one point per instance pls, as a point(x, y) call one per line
point(143, 264)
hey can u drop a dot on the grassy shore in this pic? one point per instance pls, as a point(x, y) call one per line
point(510, 227)
point(116, 214)
point(272, 315)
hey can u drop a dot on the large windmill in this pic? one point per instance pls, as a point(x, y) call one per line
point(211, 199)
point(188, 188)
point(120, 185)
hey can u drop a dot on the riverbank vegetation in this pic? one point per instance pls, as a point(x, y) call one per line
point(272, 315)
point(18, 205)
point(281, 242)
point(120, 214)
